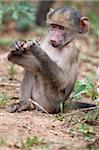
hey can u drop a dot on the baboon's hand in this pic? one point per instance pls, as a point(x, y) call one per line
point(28, 44)
point(17, 48)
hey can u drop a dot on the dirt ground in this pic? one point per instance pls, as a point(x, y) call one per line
point(15, 128)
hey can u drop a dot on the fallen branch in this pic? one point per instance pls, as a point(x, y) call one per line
point(9, 84)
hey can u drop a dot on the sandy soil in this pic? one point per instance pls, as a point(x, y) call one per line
point(15, 128)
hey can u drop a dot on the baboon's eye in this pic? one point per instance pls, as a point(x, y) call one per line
point(54, 25)
point(61, 27)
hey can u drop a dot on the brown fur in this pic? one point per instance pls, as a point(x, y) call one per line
point(50, 72)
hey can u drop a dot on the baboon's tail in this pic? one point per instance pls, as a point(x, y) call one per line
point(72, 105)
point(81, 105)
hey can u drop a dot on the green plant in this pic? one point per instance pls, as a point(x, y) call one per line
point(24, 14)
point(59, 117)
point(92, 115)
point(2, 141)
point(4, 99)
point(88, 131)
point(34, 140)
point(86, 87)
point(12, 71)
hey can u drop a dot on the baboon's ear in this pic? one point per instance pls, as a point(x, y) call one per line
point(49, 13)
point(84, 25)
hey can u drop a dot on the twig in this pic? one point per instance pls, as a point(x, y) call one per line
point(38, 105)
point(84, 109)
point(9, 84)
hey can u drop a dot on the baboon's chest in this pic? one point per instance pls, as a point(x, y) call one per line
point(55, 55)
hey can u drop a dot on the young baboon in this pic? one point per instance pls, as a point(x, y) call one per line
point(51, 67)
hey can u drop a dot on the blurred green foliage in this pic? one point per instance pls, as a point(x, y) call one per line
point(4, 42)
point(22, 12)
point(88, 131)
point(2, 141)
point(4, 99)
point(92, 115)
point(94, 19)
point(31, 141)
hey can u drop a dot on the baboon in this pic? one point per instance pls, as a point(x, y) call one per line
point(50, 68)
